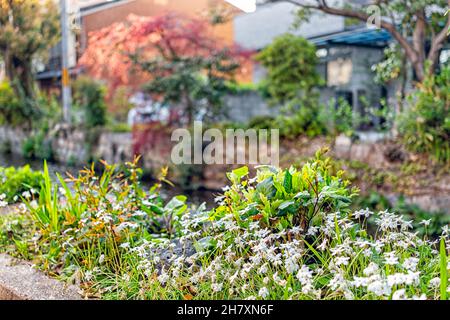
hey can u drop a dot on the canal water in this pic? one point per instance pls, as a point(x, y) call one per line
point(195, 197)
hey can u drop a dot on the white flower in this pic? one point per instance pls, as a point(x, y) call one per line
point(435, 282)
point(304, 275)
point(337, 282)
point(34, 204)
point(291, 265)
point(371, 269)
point(390, 258)
point(362, 213)
point(26, 194)
point(101, 259)
point(163, 277)
point(217, 287)
point(263, 292)
point(400, 295)
point(312, 231)
point(88, 275)
point(426, 223)
point(341, 261)
point(323, 245)
point(263, 269)
point(379, 288)
point(360, 282)
point(421, 297)
point(411, 263)
point(125, 245)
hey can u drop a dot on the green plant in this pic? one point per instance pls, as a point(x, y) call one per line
point(89, 96)
point(10, 108)
point(425, 126)
point(17, 181)
point(291, 68)
point(262, 122)
point(37, 146)
point(285, 198)
point(282, 234)
point(306, 119)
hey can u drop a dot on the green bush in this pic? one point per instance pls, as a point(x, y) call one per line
point(11, 112)
point(89, 97)
point(262, 122)
point(291, 68)
point(307, 119)
point(37, 146)
point(425, 125)
point(284, 198)
point(14, 182)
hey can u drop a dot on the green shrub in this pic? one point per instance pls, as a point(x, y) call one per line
point(37, 146)
point(11, 112)
point(307, 119)
point(14, 182)
point(262, 122)
point(284, 198)
point(291, 68)
point(89, 97)
point(425, 125)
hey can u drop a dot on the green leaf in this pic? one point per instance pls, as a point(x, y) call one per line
point(266, 187)
point(444, 276)
point(287, 183)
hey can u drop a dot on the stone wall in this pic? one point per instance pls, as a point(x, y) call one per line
point(244, 106)
point(72, 145)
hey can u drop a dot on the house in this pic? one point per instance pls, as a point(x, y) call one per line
point(347, 50)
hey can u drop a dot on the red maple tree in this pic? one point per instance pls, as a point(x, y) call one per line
point(110, 51)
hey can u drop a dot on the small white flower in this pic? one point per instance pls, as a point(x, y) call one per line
point(391, 258)
point(125, 245)
point(341, 261)
point(217, 287)
point(34, 204)
point(371, 269)
point(435, 282)
point(426, 223)
point(263, 292)
point(362, 213)
point(411, 263)
point(400, 295)
point(26, 194)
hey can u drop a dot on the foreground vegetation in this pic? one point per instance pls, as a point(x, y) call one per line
point(283, 234)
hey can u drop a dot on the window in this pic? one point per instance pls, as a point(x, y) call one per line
point(339, 72)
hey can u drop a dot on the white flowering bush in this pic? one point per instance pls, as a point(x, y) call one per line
point(283, 234)
point(338, 259)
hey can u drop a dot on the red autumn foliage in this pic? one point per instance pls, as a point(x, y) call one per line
point(109, 50)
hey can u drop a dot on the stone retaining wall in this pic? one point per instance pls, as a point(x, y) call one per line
point(20, 281)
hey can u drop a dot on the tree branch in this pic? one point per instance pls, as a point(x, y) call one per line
point(437, 42)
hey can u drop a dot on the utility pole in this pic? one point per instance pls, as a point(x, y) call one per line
point(65, 77)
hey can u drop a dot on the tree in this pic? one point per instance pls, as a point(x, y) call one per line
point(28, 29)
point(291, 63)
point(183, 61)
point(416, 25)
